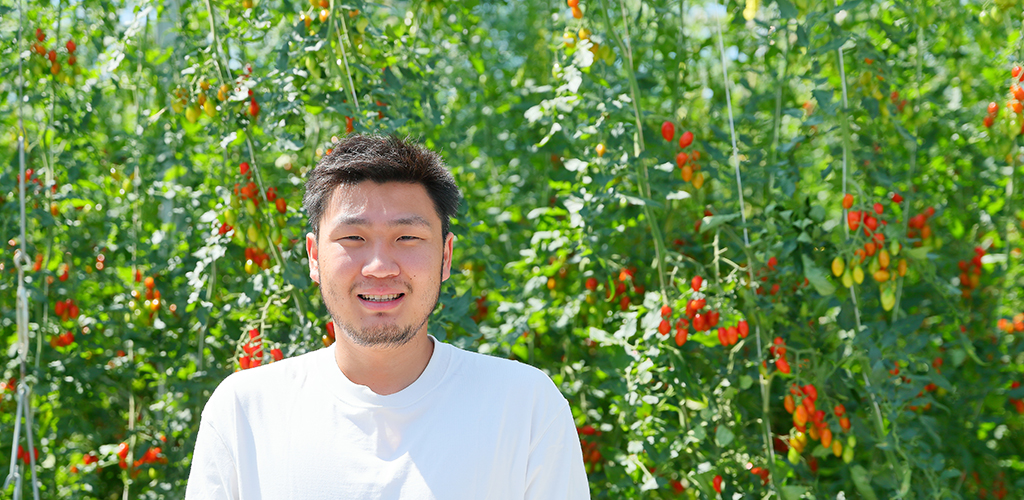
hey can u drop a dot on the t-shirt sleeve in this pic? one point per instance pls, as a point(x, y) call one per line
point(555, 470)
point(213, 475)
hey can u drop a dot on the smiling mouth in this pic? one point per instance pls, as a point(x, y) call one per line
point(382, 298)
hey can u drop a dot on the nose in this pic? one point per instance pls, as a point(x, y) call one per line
point(380, 263)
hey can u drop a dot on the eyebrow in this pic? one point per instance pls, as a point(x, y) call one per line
point(411, 220)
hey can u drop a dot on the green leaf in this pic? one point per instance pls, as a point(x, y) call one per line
point(746, 381)
point(831, 45)
point(824, 98)
point(862, 481)
point(917, 253)
point(786, 9)
point(634, 200)
point(478, 64)
point(724, 436)
point(957, 356)
point(699, 434)
point(793, 492)
point(602, 337)
point(709, 223)
point(817, 277)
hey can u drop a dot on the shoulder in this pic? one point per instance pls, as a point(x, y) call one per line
point(504, 377)
point(243, 389)
point(486, 365)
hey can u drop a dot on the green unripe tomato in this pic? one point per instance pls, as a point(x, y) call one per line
point(252, 234)
point(230, 217)
point(793, 456)
point(313, 67)
point(847, 278)
point(888, 298)
point(250, 208)
point(996, 14)
point(848, 455)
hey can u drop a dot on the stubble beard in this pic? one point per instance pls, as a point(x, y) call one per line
point(382, 336)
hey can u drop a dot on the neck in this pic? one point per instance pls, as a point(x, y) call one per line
point(385, 370)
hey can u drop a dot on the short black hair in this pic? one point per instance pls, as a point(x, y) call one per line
point(380, 159)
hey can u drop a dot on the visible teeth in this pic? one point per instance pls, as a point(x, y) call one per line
point(381, 298)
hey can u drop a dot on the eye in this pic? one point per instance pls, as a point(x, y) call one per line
point(407, 238)
point(352, 238)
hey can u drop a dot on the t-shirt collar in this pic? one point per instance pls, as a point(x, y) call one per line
point(361, 395)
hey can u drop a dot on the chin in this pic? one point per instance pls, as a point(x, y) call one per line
point(385, 336)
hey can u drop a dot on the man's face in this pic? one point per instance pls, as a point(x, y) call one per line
point(380, 261)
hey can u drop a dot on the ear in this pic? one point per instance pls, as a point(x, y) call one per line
point(313, 253)
point(446, 257)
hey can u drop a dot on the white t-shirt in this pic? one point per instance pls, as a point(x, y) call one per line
point(470, 427)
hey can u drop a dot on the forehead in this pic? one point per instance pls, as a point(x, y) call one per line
point(371, 202)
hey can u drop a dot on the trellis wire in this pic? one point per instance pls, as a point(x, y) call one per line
point(24, 408)
point(137, 230)
point(746, 241)
point(732, 132)
point(344, 57)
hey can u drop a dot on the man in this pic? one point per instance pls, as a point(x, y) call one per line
point(387, 412)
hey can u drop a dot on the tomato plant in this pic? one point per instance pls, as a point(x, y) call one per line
point(655, 195)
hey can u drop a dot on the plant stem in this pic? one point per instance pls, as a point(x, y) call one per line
point(845, 126)
point(777, 119)
point(255, 167)
point(344, 59)
point(269, 220)
point(222, 69)
point(764, 382)
point(643, 180)
point(908, 199)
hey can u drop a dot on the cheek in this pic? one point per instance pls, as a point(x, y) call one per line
point(423, 265)
point(335, 261)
